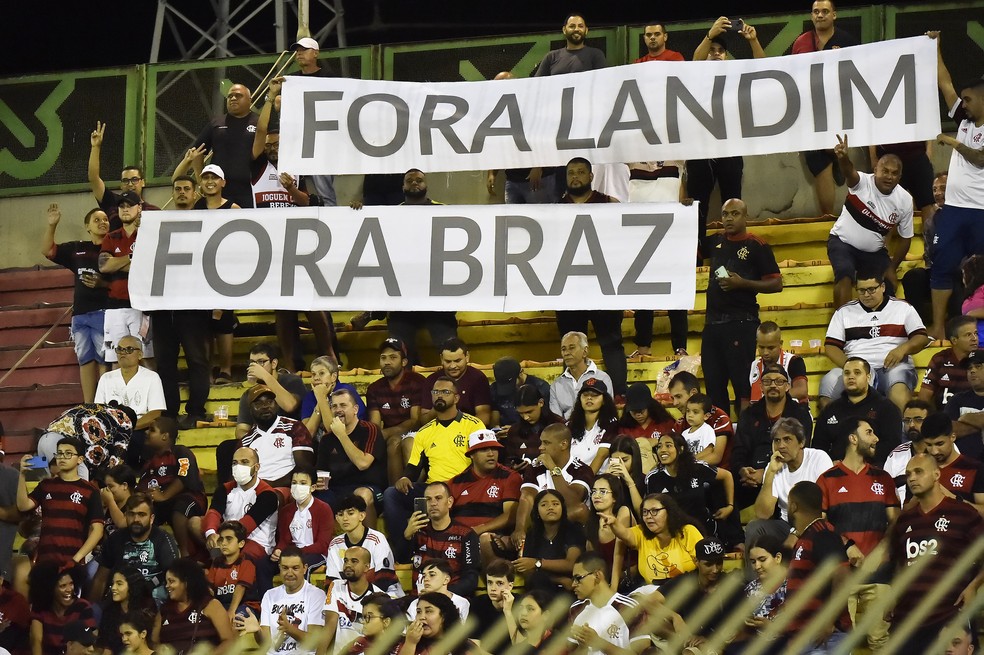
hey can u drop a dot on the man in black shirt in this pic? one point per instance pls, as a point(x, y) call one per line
point(230, 138)
point(742, 266)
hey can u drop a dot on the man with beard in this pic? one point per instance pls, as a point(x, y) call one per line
point(753, 444)
point(579, 179)
point(742, 266)
point(913, 415)
point(439, 452)
point(280, 441)
point(858, 401)
point(142, 545)
point(435, 533)
point(966, 409)
point(575, 56)
point(474, 394)
point(859, 503)
point(961, 475)
point(353, 454)
point(230, 138)
point(394, 404)
point(768, 344)
point(345, 597)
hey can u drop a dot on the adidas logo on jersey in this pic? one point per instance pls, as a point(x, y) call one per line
point(842, 490)
point(945, 378)
point(832, 420)
point(464, 493)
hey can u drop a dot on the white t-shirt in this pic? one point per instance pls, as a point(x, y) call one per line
point(965, 183)
point(380, 557)
point(301, 530)
point(348, 607)
point(143, 393)
point(585, 448)
point(607, 621)
point(814, 463)
point(462, 603)
point(305, 608)
point(699, 439)
point(868, 215)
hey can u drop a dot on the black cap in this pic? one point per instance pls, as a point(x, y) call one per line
point(506, 370)
point(394, 343)
point(79, 632)
point(595, 385)
point(975, 357)
point(710, 550)
point(638, 397)
point(130, 198)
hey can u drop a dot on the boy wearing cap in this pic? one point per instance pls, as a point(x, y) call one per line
point(394, 404)
point(213, 182)
point(80, 639)
point(509, 377)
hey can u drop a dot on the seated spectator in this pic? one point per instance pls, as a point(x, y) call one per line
point(556, 469)
point(55, 604)
point(437, 532)
point(529, 624)
point(80, 639)
point(966, 409)
point(118, 483)
point(436, 614)
point(682, 386)
point(768, 343)
point(769, 559)
point(489, 608)
point(129, 591)
point(607, 500)
point(190, 616)
point(703, 442)
point(474, 396)
point(438, 451)
point(434, 578)
point(592, 423)
point(913, 417)
point(264, 368)
point(644, 417)
point(485, 494)
point(882, 330)
point(346, 596)
point(306, 523)
point(509, 377)
point(945, 377)
point(973, 281)
point(142, 544)
point(135, 632)
point(552, 545)
point(602, 618)
point(578, 367)
point(704, 492)
point(281, 442)
point(350, 517)
point(523, 438)
point(961, 475)
point(627, 463)
point(665, 540)
point(353, 454)
point(394, 404)
point(172, 480)
point(316, 404)
point(78, 528)
point(378, 614)
point(858, 401)
point(132, 385)
point(232, 576)
point(16, 610)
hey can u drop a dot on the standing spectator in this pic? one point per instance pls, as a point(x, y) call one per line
point(213, 187)
point(131, 179)
point(602, 617)
point(523, 438)
point(768, 344)
point(859, 503)
point(966, 409)
point(394, 402)
point(281, 442)
point(132, 385)
point(71, 512)
point(129, 591)
point(307, 523)
point(945, 376)
point(961, 232)
point(56, 605)
point(120, 319)
point(876, 205)
point(474, 396)
point(230, 138)
point(509, 377)
point(916, 280)
point(592, 424)
point(351, 517)
point(919, 531)
point(346, 597)
point(858, 401)
point(307, 51)
point(961, 475)
point(191, 616)
point(742, 266)
point(90, 299)
point(655, 37)
point(437, 533)
point(823, 36)
point(575, 56)
point(553, 544)
point(316, 403)
point(354, 455)
point(578, 368)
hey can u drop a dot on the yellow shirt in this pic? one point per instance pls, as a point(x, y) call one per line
point(657, 563)
point(444, 446)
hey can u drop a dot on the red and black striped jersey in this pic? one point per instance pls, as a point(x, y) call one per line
point(478, 500)
point(68, 508)
point(856, 503)
point(815, 545)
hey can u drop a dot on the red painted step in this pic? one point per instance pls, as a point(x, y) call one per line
point(33, 285)
point(48, 365)
point(25, 408)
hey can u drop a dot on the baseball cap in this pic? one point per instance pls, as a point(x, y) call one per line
point(306, 42)
point(394, 343)
point(258, 391)
point(130, 198)
point(593, 385)
point(79, 632)
point(710, 550)
point(506, 370)
point(975, 357)
point(215, 169)
point(638, 397)
point(480, 439)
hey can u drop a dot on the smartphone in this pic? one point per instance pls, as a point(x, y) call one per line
point(420, 505)
point(721, 271)
point(737, 25)
point(38, 462)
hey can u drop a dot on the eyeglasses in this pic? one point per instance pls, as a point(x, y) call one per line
point(261, 362)
point(576, 579)
point(126, 350)
point(868, 291)
point(601, 492)
point(130, 180)
point(65, 455)
point(366, 618)
point(776, 382)
point(442, 392)
point(652, 511)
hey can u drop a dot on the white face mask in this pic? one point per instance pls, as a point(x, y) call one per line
point(300, 492)
point(242, 474)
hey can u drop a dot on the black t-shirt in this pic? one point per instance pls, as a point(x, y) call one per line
point(231, 140)
point(747, 256)
point(539, 547)
point(82, 257)
point(505, 403)
point(693, 493)
point(967, 402)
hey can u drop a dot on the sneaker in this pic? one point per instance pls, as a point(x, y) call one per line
point(189, 421)
point(361, 320)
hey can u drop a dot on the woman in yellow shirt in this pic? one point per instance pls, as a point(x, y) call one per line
point(666, 539)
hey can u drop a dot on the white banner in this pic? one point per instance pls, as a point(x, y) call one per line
point(495, 258)
point(878, 93)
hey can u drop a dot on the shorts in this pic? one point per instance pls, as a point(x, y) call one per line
point(187, 503)
point(846, 260)
point(832, 384)
point(88, 334)
point(125, 322)
point(818, 160)
point(664, 189)
point(226, 323)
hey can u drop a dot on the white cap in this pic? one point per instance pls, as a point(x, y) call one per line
point(306, 42)
point(215, 169)
point(482, 439)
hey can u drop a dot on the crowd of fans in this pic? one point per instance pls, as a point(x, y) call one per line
point(585, 488)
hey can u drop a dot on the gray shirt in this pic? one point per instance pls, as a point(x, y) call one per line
point(563, 391)
point(559, 62)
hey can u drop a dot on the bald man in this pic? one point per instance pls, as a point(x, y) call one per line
point(345, 596)
point(230, 138)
